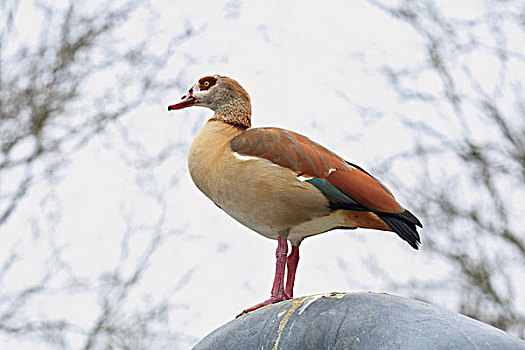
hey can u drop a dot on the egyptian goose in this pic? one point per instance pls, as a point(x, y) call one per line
point(282, 184)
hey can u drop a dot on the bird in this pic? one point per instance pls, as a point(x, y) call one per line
point(281, 184)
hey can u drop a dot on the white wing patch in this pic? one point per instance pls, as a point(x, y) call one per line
point(242, 157)
point(303, 178)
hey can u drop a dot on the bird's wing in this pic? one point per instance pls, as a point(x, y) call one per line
point(324, 169)
point(346, 185)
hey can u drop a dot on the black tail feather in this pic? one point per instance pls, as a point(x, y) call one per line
point(404, 224)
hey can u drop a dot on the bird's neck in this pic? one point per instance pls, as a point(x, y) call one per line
point(237, 115)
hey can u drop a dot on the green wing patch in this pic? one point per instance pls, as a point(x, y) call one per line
point(336, 198)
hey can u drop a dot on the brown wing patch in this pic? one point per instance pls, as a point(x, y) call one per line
point(306, 157)
point(289, 150)
point(365, 190)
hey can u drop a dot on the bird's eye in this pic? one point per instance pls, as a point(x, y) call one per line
point(206, 84)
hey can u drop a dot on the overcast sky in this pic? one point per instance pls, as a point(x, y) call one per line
point(311, 67)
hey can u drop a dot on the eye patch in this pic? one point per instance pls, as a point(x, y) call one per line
point(207, 82)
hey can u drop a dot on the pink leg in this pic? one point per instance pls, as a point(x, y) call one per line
point(291, 264)
point(278, 282)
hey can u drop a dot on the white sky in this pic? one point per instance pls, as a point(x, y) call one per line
point(291, 57)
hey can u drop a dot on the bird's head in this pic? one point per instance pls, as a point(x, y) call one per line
point(225, 96)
